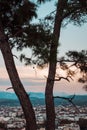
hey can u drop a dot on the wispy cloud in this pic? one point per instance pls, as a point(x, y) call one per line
point(33, 80)
point(24, 72)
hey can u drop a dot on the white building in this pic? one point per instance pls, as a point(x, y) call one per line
point(72, 126)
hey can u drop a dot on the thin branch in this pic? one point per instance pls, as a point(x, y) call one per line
point(59, 78)
point(71, 61)
point(62, 78)
point(51, 13)
point(76, 9)
point(69, 99)
point(15, 56)
point(70, 77)
point(74, 64)
point(9, 88)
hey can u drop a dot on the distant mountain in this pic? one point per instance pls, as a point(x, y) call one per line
point(61, 94)
point(7, 95)
point(10, 99)
point(12, 96)
point(37, 95)
point(80, 100)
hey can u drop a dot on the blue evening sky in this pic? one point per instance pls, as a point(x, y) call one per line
point(71, 38)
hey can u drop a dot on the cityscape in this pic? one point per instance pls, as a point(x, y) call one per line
point(67, 118)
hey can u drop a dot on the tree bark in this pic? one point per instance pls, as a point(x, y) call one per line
point(50, 110)
point(16, 83)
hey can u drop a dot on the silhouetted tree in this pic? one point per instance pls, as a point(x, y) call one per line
point(67, 11)
point(79, 60)
point(15, 15)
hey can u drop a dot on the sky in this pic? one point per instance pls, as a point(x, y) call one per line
point(34, 79)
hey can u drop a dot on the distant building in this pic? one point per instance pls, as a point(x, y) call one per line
point(72, 126)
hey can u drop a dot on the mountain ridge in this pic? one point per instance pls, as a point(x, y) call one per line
point(12, 95)
point(37, 98)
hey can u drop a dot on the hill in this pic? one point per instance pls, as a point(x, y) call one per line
point(10, 99)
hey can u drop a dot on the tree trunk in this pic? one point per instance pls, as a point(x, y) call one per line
point(50, 110)
point(16, 83)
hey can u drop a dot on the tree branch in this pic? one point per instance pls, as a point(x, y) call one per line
point(59, 78)
point(69, 99)
point(15, 56)
point(72, 10)
point(50, 14)
point(62, 78)
point(9, 88)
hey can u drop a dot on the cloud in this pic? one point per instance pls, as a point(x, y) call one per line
point(33, 80)
point(25, 72)
point(36, 85)
point(30, 80)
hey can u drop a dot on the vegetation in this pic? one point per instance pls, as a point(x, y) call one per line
point(17, 30)
point(73, 11)
point(14, 16)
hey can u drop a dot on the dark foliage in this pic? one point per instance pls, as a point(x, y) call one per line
point(40, 37)
point(14, 15)
point(80, 62)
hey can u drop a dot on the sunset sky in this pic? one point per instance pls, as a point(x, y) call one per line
point(33, 79)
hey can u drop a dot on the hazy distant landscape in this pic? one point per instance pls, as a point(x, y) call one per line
point(10, 99)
